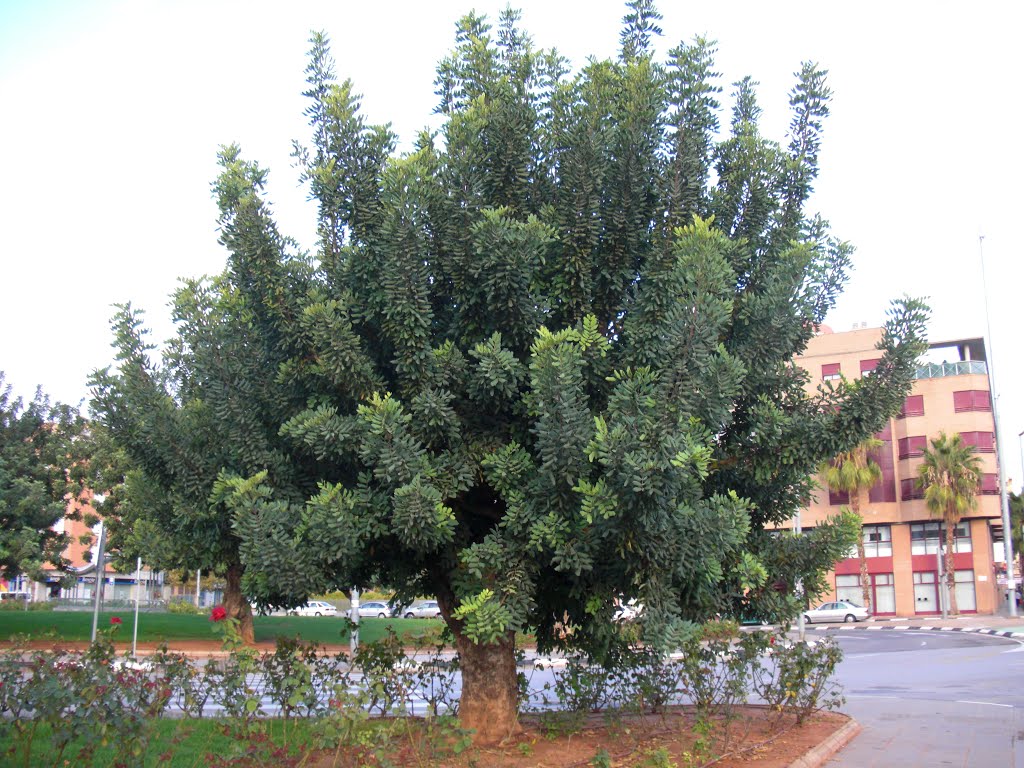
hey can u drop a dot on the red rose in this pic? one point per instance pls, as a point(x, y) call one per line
point(218, 613)
point(115, 620)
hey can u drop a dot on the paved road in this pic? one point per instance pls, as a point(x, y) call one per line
point(927, 698)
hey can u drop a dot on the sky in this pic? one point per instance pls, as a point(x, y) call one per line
point(113, 113)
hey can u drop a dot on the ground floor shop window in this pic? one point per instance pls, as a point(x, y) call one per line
point(926, 596)
point(882, 594)
point(965, 600)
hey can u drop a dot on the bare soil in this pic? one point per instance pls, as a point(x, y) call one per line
point(757, 738)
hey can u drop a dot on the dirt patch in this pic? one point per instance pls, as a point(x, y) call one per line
point(756, 738)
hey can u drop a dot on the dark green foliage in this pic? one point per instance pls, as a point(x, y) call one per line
point(540, 362)
point(43, 448)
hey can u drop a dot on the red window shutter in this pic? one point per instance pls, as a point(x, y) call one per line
point(909, 489)
point(981, 400)
point(829, 369)
point(835, 498)
point(912, 446)
point(866, 366)
point(885, 489)
point(989, 484)
point(885, 434)
point(912, 406)
point(963, 401)
point(986, 442)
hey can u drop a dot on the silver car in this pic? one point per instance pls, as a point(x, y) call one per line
point(838, 611)
point(375, 609)
point(428, 609)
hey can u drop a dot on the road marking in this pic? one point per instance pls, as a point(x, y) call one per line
point(986, 703)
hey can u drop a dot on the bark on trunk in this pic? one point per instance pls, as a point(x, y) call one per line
point(490, 690)
point(237, 606)
point(950, 569)
point(865, 579)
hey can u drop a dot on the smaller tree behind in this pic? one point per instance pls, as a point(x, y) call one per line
point(855, 473)
point(39, 450)
point(950, 476)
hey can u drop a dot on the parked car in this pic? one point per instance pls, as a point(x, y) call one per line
point(839, 611)
point(315, 608)
point(375, 608)
point(428, 609)
point(630, 610)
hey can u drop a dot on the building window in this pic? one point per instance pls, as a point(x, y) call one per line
point(971, 400)
point(909, 489)
point(912, 406)
point(912, 446)
point(982, 442)
point(989, 485)
point(925, 537)
point(830, 372)
point(838, 498)
point(877, 541)
point(867, 366)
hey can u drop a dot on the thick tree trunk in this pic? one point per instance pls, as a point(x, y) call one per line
point(951, 569)
point(237, 606)
point(490, 690)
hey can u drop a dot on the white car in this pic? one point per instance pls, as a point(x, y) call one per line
point(428, 609)
point(838, 611)
point(315, 608)
point(374, 609)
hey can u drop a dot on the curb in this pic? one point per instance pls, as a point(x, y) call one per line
point(819, 755)
point(922, 628)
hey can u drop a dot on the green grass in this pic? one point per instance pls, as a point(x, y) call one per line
point(188, 742)
point(159, 627)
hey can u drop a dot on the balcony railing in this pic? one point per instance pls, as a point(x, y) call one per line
point(959, 368)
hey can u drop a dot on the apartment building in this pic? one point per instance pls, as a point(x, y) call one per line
point(901, 538)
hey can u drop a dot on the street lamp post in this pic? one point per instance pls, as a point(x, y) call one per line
point(1004, 503)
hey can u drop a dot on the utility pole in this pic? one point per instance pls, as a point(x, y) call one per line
point(1004, 502)
point(98, 597)
point(799, 589)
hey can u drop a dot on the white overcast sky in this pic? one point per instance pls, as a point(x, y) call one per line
point(112, 113)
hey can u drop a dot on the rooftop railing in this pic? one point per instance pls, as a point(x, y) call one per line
point(959, 368)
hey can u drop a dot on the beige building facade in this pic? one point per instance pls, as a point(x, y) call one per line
point(902, 539)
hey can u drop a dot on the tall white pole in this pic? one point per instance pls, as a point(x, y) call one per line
point(799, 589)
point(198, 575)
point(1004, 503)
point(138, 594)
point(99, 582)
point(353, 640)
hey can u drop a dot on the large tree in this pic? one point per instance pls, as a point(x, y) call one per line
point(950, 475)
point(540, 362)
point(42, 452)
point(854, 472)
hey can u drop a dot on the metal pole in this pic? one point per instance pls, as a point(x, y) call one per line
point(353, 640)
point(99, 582)
point(799, 588)
point(1004, 503)
point(138, 594)
point(198, 576)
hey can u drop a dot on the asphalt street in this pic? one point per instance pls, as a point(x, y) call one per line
point(927, 698)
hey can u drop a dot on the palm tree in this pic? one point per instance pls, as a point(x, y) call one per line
point(855, 473)
point(950, 476)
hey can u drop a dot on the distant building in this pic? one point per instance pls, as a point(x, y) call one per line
point(951, 393)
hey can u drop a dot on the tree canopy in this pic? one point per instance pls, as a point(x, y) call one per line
point(542, 361)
